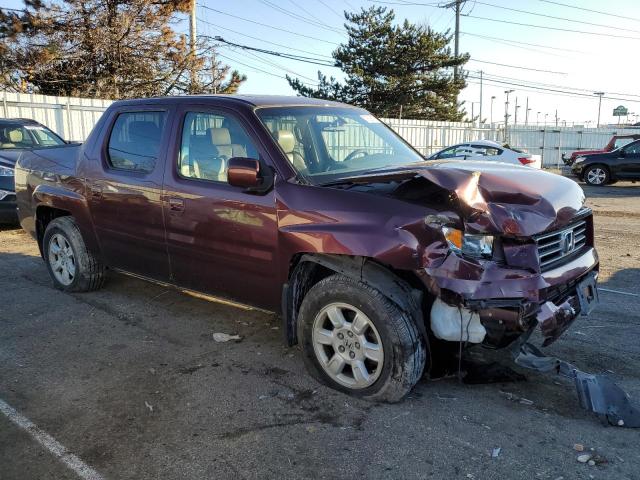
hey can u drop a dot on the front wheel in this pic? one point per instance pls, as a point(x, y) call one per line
point(356, 340)
point(71, 266)
point(596, 175)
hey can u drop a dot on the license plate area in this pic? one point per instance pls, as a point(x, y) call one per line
point(587, 292)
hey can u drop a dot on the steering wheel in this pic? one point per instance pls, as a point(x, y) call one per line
point(355, 153)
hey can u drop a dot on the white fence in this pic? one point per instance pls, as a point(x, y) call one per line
point(550, 142)
point(73, 119)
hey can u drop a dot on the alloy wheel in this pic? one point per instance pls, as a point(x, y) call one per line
point(347, 345)
point(62, 259)
point(596, 176)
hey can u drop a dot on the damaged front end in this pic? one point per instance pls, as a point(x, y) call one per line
point(540, 273)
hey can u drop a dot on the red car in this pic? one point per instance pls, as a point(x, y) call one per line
point(616, 141)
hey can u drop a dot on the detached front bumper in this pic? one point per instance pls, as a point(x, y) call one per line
point(508, 302)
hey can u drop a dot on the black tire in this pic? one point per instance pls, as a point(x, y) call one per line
point(89, 271)
point(405, 351)
point(596, 175)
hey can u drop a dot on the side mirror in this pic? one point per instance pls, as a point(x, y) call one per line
point(243, 172)
point(622, 153)
point(250, 174)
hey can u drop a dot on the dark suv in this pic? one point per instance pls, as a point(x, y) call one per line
point(17, 135)
point(319, 211)
point(603, 168)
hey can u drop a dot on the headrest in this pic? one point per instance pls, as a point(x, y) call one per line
point(219, 136)
point(143, 130)
point(286, 140)
point(15, 135)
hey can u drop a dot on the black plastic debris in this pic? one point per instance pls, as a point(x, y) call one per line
point(596, 393)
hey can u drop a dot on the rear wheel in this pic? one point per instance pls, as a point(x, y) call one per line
point(356, 340)
point(596, 175)
point(71, 266)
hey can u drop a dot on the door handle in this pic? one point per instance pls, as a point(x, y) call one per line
point(96, 190)
point(176, 204)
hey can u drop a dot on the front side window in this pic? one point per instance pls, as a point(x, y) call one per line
point(485, 150)
point(15, 136)
point(209, 140)
point(621, 142)
point(44, 137)
point(27, 136)
point(455, 151)
point(633, 149)
point(325, 144)
point(135, 140)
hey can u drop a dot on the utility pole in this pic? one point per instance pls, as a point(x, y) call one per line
point(506, 114)
point(493, 97)
point(480, 119)
point(515, 112)
point(192, 48)
point(556, 117)
point(457, 40)
point(599, 94)
point(526, 114)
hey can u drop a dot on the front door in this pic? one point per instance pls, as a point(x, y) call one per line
point(221, 239)
point(125, 193)
point(628, 163)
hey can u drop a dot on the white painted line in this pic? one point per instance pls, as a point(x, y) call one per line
point(83, 470)
point(618, 291)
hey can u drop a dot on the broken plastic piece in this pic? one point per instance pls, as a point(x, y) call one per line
point(456, 324)
point(596, 393)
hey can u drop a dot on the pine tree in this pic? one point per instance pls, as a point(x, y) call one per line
point(106, 49)
point(388, 66)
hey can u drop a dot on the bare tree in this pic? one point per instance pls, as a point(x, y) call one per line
point(106, 49)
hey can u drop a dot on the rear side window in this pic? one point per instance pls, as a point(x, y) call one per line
point(135, 140)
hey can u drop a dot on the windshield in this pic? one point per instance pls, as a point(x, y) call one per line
point(15, 135)
point(326, 144)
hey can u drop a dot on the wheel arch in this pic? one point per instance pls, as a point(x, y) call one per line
point(44, 215)
point(307, 269)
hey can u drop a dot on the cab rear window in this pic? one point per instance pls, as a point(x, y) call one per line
point(135, 140)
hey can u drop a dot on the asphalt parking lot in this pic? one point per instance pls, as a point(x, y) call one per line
point(130, 380)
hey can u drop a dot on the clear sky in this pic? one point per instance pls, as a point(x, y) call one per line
point(581, 61)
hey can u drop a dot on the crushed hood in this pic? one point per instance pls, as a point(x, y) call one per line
point(497, 197)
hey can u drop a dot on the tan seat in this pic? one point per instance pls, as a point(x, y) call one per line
point(16, 136)
point(287, 142)
point(211, 153)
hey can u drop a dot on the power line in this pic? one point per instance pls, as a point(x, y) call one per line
point(518, 67)
point(523, 43)
point(288, 56)
point(273, 64)
point(300, 17)
point(311, 15)
point(514, 84)
point(592, 11)
point(329, 7)
point(267, 26)
point(527, 12)
point(553, 28)
point(262, 39)
point(590, 90)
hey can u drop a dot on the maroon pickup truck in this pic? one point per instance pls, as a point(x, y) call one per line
point(319, 211)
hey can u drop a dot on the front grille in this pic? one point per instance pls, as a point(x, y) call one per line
point(554, 247)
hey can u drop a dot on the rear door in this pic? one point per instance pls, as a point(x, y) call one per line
point(124, 187)
point(221, 239)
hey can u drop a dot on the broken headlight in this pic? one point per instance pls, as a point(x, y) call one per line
point(479, 246)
